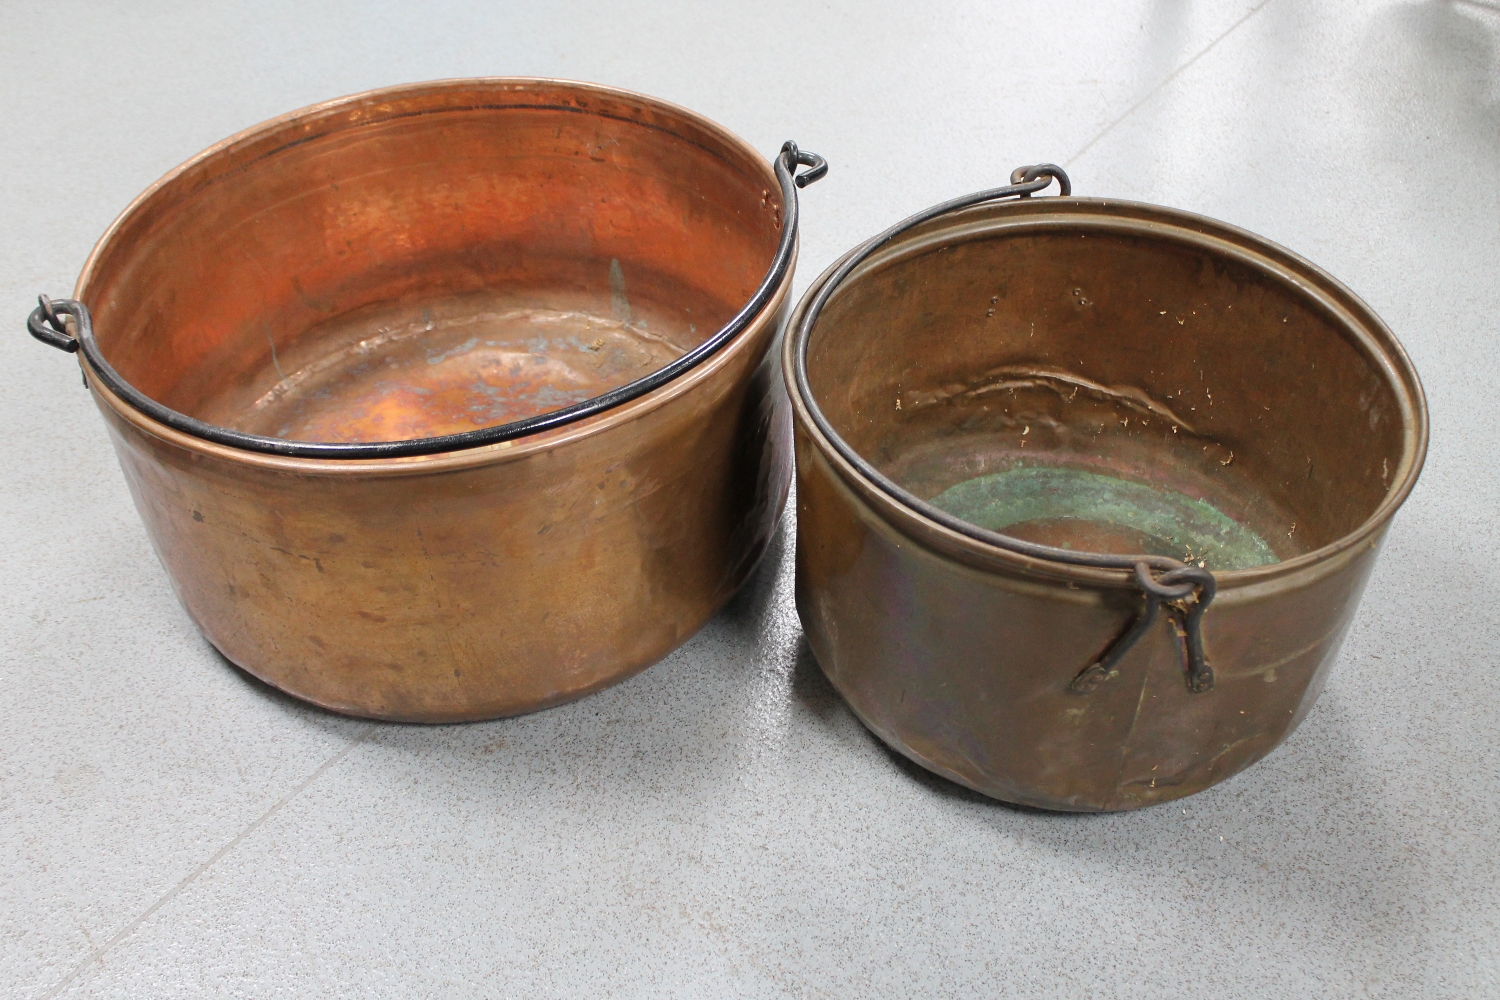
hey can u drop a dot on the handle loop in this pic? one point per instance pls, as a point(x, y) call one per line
point(799, 157)
point(45, 325)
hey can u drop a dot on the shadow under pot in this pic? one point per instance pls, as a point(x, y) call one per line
point(1087, 491)
point(455, 400)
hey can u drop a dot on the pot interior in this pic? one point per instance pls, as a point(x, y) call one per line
point(432, 260)
point(1099, 383)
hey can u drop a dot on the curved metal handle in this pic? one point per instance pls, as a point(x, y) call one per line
point(45, 325)
point(1038, 171)
point(1185, 590)
point(801, 157)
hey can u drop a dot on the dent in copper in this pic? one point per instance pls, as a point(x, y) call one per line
point(432, 259)
point(1140, 343)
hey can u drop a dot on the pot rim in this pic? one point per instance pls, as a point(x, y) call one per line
point(463, 457)
point(1106, 214)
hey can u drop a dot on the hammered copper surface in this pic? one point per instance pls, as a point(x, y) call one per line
point(426, 260)
point(1148, 345)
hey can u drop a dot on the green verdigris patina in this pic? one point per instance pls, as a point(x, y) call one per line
point(1165, 521)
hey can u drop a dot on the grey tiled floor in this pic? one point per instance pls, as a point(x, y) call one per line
point(720, 825)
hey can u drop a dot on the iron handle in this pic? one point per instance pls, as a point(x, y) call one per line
point(801, 157)
point(46, 325)
point(1184, 590)
point(1027, 176)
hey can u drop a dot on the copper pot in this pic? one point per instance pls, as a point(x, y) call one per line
point(454, 400)
point(1088, 490)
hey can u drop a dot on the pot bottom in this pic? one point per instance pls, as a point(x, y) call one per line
point(418, 710)
point(937, 753)
point(1099, 477)
point(446, 364)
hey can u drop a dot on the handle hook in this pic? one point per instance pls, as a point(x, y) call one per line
point(800, 157)
point(46, 325)
point(1038, 171)
point(1186, 591)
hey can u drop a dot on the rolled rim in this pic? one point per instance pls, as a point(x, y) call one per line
point(1291, 269)
point(510, 439)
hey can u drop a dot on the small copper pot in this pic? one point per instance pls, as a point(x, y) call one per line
point(1000, 409)
point(450, 401)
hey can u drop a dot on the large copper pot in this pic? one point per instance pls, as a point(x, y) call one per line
point(450, 401)
point(1088, 490)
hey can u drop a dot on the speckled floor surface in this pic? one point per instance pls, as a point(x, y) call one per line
point(721, 825)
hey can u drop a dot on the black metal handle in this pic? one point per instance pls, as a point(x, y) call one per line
point(46, 327)
point(1041, 171)
point(1183, 589)
point(801, 157)
point(1186, 592)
